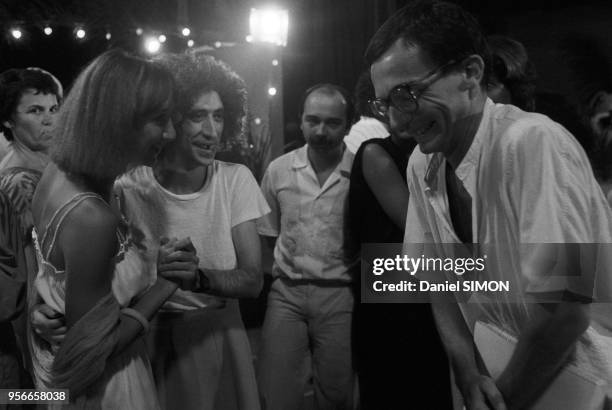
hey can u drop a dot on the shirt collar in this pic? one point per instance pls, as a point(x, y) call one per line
point(469, 161)
point(26, 158)
point(300, 160)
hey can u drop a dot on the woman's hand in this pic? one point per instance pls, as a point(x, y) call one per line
point(177, 262)
point(48, 324)
point(481, 393)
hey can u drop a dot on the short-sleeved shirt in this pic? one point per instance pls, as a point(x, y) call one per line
point(229, 197)
point(17, 155)
point(12, 281)
point(364, 129)
point(530, 183)
point(4, 146)
point(17, 187)
point(309, 219)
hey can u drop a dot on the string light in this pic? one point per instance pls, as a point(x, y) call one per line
point(16, 33)
point(152, 45)
point(257, 121)
point(80, 32)
point(272, 91)
point(275, 62)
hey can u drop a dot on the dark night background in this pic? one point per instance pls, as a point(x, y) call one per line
point(327, 38)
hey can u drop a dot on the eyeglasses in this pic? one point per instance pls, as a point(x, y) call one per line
point(405, 97)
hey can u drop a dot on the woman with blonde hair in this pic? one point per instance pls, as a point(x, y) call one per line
point(116, 117)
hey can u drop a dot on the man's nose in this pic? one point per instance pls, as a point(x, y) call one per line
point(398, 120)
point(169, 133)
point(208, 128)
point(47, 118)
point(320, 129)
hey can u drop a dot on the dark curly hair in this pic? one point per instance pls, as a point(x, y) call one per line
point(444, 31)
point(363, 93)
point(196, 74)
point(14, 82)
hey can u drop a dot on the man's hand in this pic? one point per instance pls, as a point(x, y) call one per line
point(481, 393)
point(48, 324)
point(177, 261)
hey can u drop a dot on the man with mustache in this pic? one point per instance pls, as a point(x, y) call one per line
point(308, 319)
point(491, 179)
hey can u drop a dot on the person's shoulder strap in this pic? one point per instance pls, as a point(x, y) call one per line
point(59, 215)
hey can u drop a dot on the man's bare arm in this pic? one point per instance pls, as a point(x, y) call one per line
point(247, 279)
point(541, 351)
point(478, 390)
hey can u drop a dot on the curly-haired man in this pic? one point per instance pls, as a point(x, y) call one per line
point(198, 346)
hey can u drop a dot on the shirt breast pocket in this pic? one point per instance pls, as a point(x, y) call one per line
point(334, 228)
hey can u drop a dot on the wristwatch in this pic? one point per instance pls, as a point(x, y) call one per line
point(202, 282)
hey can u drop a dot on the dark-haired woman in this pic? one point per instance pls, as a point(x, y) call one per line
point(29, 100)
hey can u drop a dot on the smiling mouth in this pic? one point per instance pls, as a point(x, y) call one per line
point(207, 147)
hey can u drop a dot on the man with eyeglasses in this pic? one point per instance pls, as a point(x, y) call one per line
point(491, 179)
point(307, 328)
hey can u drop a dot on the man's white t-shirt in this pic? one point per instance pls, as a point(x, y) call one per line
point(229, 197)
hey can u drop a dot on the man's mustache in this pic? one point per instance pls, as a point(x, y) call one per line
point(319, 140)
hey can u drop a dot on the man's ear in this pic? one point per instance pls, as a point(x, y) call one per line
point(473, 69)
point(595, 100)
point(7, 124)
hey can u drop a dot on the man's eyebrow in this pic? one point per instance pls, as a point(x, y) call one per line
point(414, 83)
point(203, 110)
point(37, 107)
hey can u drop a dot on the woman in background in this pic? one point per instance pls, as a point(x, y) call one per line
point(378, 203)
point(512, 77)
point(29, 100)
